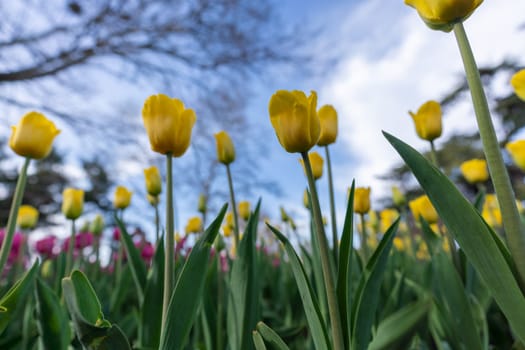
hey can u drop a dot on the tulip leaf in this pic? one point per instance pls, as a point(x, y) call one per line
point(310, 304)
point(52, 319)
point(11, 303)
point(138, 269)
point(243, 299)
point(187, 294)
point(471, 232)
point(395, 331)
point(367, 295)
point(271, 337)
point(151, 313)
point(258, 341)
point(344, 275)
point(92, 330)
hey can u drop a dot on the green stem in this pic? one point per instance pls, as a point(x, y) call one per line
point(220, 293)
point(335, 240)
point(364, 243)
point(71, 247)
point(168, 259)
point(514, 232)
point(157, 223)
point(236, 232)
point(13, 214)
point(433, 154)
point(333, 309)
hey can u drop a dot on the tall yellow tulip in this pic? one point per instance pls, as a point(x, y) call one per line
point(518, 83)
point(427, 120)
point(421, 206)
point(122, 197)
point(316, 161)
point(168, 124)
point(244, 210)
point(328, 119)
point(474, 170)
point(443, 14)
point(516, 150)
point(27, 217)
point(33, 136)
point(72, 203)
point(225, 148)
point(362, 200)
point(153, 181)
point(295, 120)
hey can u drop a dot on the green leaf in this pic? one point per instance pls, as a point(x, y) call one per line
point(367, 294)
point(271, 337)
point(471, 232)
point(258, 341)
point(151, 313)
point(186, 296)
point(93, 331)
point(15, 296)
point(52, 319)
point(138, 268)
point(400, 326)
point(243, 299)
point(311, 306)
point(344, 275)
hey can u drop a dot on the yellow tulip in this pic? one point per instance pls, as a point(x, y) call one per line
point(194, 225)
point(491, 211)
point(398, 197)
point(474, 170)
point(122, 197)
point(72, 203)
point(421, 206)
point(153, 181)
point(27, 217)
point(295, 120)
point(306, 199)
point(518, 83)
point(225, 148)
point(387, 216)
point(316, 161)
point(428, 120)
point(168, 124)
point(202, 205)
point(422, 252)
point(328, 119)
point(244, 210)
point(399, 244)
point(227, 230)
point(517, 152)
point(229, 219)
point(33, 136)
point(362, 200)
point(443, 14)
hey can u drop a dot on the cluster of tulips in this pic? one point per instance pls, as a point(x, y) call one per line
point(454, 269)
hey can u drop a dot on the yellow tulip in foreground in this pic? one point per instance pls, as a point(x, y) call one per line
point(443, 14)
point(475, 170)
point(328, 119)
point(428, 120)
point(27, 217)
point(244, 210)
point(421, 206)
point(362, 200)
point(122, 197)
point(153, 181)
point(72, 203)
point(225, 148)
point(33, 136)
point(517, 152)
point(518, 83)
point(295, 120)
point(194, 225)
point(316, 161)
point(168, 124)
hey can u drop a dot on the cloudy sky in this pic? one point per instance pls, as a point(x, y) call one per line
point(390, 63)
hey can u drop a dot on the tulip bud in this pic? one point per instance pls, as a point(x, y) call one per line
point(422, 207)
point(122, 197)
point(227, 230)
point(168, 124)
point(328, 121)
point(474, 170)
point(33, 136)
point(398, 197)
point(362, 200)
point(518, 83)
point(443, 14)
point(72, 203)
point(284, 215)
point(97, 225)
point(428, 121)
point(295, 120)
point(516, 150)
point(202, 205)
point(316, 161)
point(27, 217)
point(244, 210)
point(225, 148)
point(153, 181)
